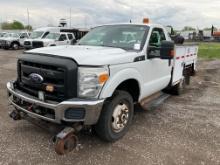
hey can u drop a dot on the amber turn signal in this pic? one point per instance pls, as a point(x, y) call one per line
point(50, 88)
point(172, 53)
point(103, 78)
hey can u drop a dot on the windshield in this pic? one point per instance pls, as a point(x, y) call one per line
point(129, 37)
point(54, 36)
point(36, 34)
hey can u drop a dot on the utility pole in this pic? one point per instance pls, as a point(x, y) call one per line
point(70, 17)
point(28, 20)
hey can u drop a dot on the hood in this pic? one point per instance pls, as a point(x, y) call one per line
point(45, 40)
point(10, 38)
point(89, 55)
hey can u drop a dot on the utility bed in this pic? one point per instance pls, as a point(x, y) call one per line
point(185, 56)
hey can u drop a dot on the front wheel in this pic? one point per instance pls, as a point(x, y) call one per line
point(116, 117)
point(15, 46)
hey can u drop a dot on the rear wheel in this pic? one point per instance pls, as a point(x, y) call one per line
point(116, 117)
point(179, 88)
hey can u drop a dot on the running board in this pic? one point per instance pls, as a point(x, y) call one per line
point(154, 101)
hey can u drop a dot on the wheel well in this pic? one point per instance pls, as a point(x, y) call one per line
point(132, 87)
point(15, 42)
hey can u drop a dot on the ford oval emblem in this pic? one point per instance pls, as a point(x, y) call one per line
point(36, 78)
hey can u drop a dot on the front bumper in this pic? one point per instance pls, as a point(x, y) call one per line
point(92, 107)
point(28, 46)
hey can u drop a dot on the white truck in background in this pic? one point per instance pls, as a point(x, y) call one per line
point(54, 39)
point(14, 40)
point(39, 33)
point(97, 82)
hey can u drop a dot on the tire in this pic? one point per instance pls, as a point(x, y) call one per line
point(179, 88)
point(15, 46)
point(187, 79)
point(119, 106)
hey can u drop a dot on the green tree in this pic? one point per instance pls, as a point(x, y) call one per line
point(15, 25)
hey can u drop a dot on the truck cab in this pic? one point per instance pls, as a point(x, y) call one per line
point(97, 81)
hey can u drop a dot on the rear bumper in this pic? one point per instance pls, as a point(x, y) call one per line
point(92, 107)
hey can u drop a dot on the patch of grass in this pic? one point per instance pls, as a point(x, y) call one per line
point(209, 50)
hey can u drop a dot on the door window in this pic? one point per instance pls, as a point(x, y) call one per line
point(157, 36)
point(70, 36)
point(62, 37)
point(24, 35)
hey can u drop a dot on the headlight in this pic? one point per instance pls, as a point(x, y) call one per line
point(91, 81)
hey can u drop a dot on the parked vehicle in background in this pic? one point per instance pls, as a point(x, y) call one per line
point(97, 81)
point(39, 33)
point(78, 33)
point(14, 40)
point(2, 34)
point(54, 39)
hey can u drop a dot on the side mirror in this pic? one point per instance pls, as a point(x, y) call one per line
point(167, 50)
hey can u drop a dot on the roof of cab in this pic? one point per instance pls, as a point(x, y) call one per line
point(141, 24)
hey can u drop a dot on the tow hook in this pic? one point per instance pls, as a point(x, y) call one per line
point(15, 115)
point(66, 141)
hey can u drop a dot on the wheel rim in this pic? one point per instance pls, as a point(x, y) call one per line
point(120, 117)
point(15, 46)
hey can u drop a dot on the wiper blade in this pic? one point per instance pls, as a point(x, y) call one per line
point(111, 46)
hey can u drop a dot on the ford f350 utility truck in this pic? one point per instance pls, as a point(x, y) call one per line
point(15, 40)
point(54, 39)
point(96, 82)
point(39, 33)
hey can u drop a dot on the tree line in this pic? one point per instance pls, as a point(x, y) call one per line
point(15, 25)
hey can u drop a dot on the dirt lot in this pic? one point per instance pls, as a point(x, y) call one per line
point(183, 130)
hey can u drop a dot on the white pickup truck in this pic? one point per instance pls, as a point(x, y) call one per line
point(98, 81)
point(14, 40)
point(39, 33)
point(54, 39)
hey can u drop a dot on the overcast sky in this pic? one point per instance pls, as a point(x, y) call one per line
point(179, 13)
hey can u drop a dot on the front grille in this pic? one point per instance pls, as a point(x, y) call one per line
point(60, 73)
point(27, 43)
point(2, 42)
point(37, 44)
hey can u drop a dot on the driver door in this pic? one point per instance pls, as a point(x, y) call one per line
point(23, 37)
point(158, 71)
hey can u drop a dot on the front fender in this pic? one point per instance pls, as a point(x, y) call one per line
point(116, 79)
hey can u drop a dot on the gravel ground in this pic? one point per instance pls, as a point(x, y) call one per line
point(183, 130)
